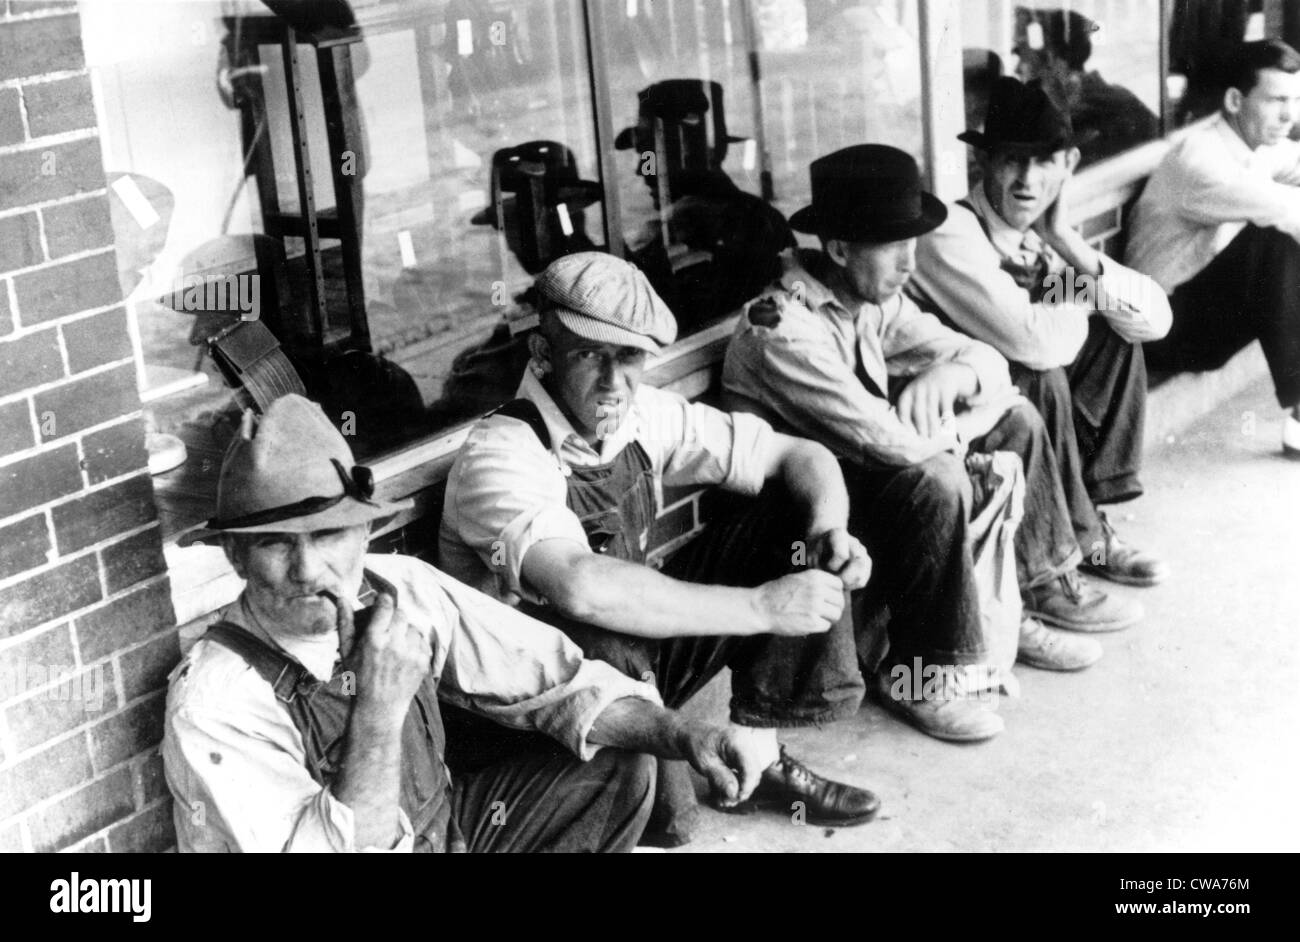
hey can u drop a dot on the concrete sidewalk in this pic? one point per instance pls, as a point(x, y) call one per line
point(1183, 738)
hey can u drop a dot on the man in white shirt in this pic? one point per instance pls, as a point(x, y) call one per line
point(309, 719)
point(550, 503)
point(1007, 268)
point(1217, 226)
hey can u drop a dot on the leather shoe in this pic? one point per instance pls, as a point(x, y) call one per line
point(1122, 563)
point(1068, 601)
point(1052, 650)
point(950, 714)
point(831, 804)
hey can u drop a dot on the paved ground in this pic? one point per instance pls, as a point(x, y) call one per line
point(1183, 738)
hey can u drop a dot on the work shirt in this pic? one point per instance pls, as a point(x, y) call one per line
point(802, 359)
point(1203, 193)
point(506, 491)
point(236, 763)
point(960, 274)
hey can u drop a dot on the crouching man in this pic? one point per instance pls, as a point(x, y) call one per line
point(551, 499)
point(308, 718)
point(835, 350)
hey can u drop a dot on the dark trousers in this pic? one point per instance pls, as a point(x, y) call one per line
point(515, 791)
point(1094, 410)
point(914, 522)
point(1251, 291)
point(775, 682)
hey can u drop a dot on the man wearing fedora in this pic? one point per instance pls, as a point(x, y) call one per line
point(550, 503)
point(309, 718)
point(837, 351)
point(1008, 268)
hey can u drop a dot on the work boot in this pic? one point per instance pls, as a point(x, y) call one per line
point(1052, 650)
point(951, 713)
point(1120, 562)
point(790, 786)
point(1068, 601)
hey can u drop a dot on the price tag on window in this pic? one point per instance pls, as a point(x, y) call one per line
point(631, 9)
point(1034, 35)
point(566, 224)
point(407, 248)
point(750, 154)
point(465, 37)
point(136, 203)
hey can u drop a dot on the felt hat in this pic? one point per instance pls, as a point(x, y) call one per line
point(513, 168)
point(1023, 119)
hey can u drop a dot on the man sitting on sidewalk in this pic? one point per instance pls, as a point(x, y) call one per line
point(304, 722)
point(1007, 268)
point(550, 503)
point(1218, 226)
point(824, 350)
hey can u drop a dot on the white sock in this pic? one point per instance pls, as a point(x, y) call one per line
point(760, 737)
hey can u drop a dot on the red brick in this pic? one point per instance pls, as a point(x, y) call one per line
point(47, 773)
point(133, 560)
point(49, 595)
point(114, 451)
point(23, 545)
point(16, 428)
point(67, 288)
point(48, 647)
point(45, 476)
point(75, 699)
point(11, 118)
point(20, 242)
point(125, 622)
point(146, 668)
point(150, 832)
point(35, 47)
point(129, 733)
point(59, 106)
point(153, 778)
point(44, 174)
point(103, 513)
point(78, 226)
point(84, 402)
point(82, 813)
point(96, 340)
point(29, 361)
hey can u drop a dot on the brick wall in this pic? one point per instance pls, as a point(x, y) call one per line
point(87, 632)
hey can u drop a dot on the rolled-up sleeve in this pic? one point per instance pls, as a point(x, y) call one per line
point(506, 494)
point(1134, 305)
point(692, 443)
point(522, 673)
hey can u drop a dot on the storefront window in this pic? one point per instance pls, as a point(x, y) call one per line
point(1100, 59)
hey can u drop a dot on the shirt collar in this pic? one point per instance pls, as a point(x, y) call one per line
point(318, 654)
point(1232, 141)
point(566, 443)
point(1007, 239)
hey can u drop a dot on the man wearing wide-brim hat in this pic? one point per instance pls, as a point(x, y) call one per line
point(310, 716)
point(835, 350)
point(1008, 268)
point(550, 505)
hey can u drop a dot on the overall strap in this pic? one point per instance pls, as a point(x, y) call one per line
point(282, 672)
point(525, 410)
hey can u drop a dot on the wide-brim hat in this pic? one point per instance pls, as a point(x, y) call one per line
point(291, 472)
point(552, 162)
point(868, 193)
point(677, 101)
point(1023, 119)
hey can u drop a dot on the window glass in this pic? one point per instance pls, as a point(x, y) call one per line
point(1099, 58)
point(331, 220)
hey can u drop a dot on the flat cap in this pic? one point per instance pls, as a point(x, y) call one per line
point(606, 299)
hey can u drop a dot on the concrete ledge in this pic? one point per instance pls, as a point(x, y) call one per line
point(1176, 401)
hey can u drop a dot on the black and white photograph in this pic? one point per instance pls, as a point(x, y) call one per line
point(651, 426)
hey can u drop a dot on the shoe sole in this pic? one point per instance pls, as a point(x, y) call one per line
point(1290, 454)
point(1142, 582)
point(1090, 627)
point(781, 807)
point(1052, 665)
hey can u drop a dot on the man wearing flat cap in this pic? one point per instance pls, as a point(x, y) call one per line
point(837, 351)
point(1008, 268)
point(551, 499)
point(311, 716)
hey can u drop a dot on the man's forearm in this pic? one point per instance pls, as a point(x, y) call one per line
point(369, 782)
point(641, 726)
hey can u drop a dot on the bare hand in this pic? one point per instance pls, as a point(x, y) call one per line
point(394, 659)
point(838, 552)
point(803, 603)
point(929, 402)
point(733, 765)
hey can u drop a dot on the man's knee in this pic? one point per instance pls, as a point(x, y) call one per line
point(940, 484)
point(1048, 390)
point(1020, 427)
point(630, 776)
